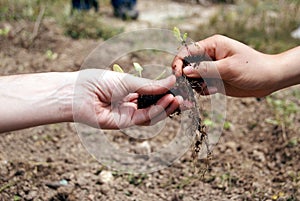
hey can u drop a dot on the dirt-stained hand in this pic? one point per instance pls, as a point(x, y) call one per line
point(244, 71)
point(108, 100)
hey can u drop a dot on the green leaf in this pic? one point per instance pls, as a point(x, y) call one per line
point(177, 34)
point(208, 122)
point(51, 55)
point(16, 198)
point(227, 125)
point(117, 68)
point(185, 35)
point(138, 68)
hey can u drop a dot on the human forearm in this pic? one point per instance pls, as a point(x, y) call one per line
point(103, 99)
point(288, 65)
point(35, 99)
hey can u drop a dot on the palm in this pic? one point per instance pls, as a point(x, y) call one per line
point(109, 100)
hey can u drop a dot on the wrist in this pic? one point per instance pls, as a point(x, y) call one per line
point(63, 97)
point(288, 68)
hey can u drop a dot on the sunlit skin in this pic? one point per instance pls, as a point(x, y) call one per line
point(102, 99)
point(245, 72)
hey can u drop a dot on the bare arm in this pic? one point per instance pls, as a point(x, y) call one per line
point(289, 67)
point(102, 99)
point(35, 99)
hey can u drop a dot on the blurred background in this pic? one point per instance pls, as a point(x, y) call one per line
point(257, 157)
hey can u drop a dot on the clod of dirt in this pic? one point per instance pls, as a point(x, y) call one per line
point(145, 101)
point(181, 88)
point(197, 84)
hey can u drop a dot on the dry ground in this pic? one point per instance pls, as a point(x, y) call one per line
point(256, 158)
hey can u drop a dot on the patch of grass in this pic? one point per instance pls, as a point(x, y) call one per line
point(79, 25)
point(89, 25)
point(264, 25)
point(285, 118)
point(284, 110)
point(14, 10)
point(18, 9)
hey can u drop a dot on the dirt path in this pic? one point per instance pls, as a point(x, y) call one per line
point(165, 14)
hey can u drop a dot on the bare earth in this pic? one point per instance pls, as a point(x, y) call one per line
point(254, 160)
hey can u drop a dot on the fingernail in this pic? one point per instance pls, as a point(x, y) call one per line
point(188, 70)
point(179, 99)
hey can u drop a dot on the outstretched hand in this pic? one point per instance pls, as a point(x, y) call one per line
point(108, 99)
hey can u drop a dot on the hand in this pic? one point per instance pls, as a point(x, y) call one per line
point(244, 71)
point(108, 99)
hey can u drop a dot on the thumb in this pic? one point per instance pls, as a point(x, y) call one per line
point(206, 69)
point(150, 87)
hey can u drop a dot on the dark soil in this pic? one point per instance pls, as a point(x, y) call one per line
point(182, 88)
point(254, 160)
point(194, 83)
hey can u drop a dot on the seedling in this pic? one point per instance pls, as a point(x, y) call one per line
point(201, 136)
point(181, 88)
point(181, 38)
point(138, 68)
point(51, 55)
point(117, 68)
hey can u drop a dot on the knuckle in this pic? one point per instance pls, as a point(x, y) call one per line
point(217, 36)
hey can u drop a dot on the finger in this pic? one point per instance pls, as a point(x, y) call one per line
point(192, 49)
point(185, 51)
point(144, 115)
point(150, 87)
point(217, 46)
point(122, 116)
point(177, 66)
point(205, 69)
point(174, 105)
point(156, 119)
point(131, 97)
